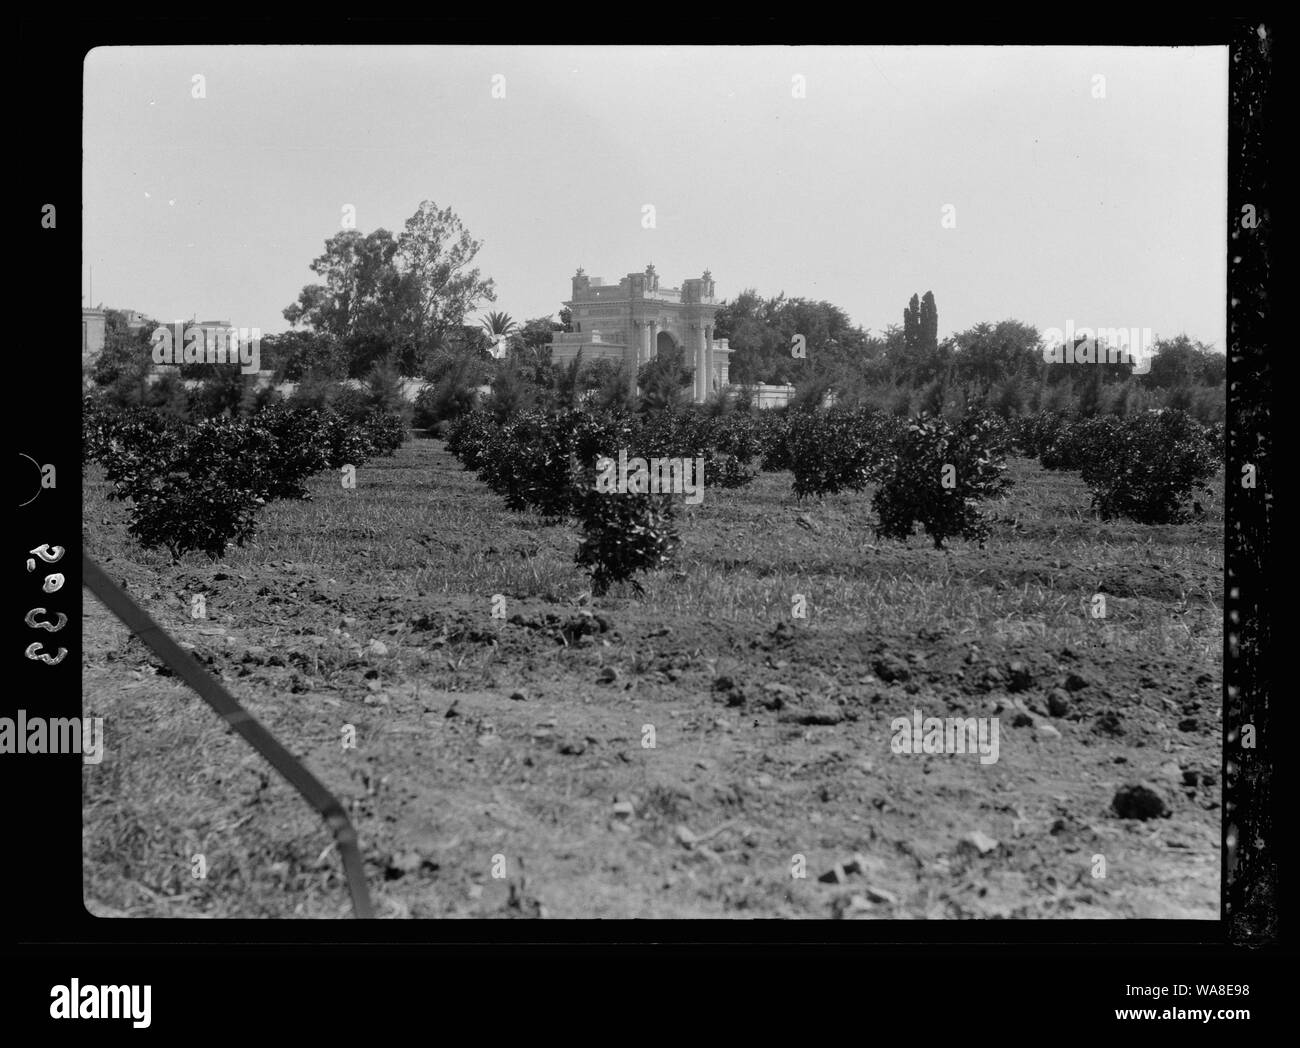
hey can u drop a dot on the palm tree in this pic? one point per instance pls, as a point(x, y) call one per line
point(498, 323)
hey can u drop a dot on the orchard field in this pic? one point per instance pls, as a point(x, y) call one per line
point(688, 751)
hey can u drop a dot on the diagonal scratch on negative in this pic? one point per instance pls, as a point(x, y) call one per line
point(311, 789)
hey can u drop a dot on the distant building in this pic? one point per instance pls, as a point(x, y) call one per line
point(94, 328)
point(135, 320)
point(635, 320)
point(92, 332)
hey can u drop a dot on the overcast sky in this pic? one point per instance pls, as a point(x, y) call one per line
point(1107, 211)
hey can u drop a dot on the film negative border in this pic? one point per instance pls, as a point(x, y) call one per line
point(1250, 876)
point(1250, 884)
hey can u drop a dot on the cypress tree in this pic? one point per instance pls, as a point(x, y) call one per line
point(928, 328)
point(912, 325)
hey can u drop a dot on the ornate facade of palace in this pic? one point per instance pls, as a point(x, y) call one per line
point(636, 319)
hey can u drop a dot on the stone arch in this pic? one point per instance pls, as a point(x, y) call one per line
point(666, 342)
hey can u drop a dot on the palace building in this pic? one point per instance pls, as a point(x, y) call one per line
point(636, 319)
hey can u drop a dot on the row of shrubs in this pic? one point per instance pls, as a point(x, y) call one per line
point(845, 449)
point(929, 472)
point(199, 486)
point(1143, 468)
point(546, 461)
point(536, 459)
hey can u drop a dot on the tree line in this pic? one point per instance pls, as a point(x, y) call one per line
point(388, 307)
point(907, 368)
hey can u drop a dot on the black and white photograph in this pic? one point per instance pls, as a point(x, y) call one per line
point(653, 481)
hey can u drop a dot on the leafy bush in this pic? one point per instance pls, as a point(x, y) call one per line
point(511, 394)
point(186, 513)
point(498, 463)
point(351, 403)
point(297, 450)
point(383, 432)
point(736, 434)
point(825, 454)
point(344, 442)
point(838, 450)
point(1007, 398)
point(96, 427)
point(918, 487)
point(1216, 440)
point(547, 461)
point(1078, 443)
point(623, 534)
point(450, 396)
point(1150, 468)
point(127, 440)
point(694, 435)
point(315, 390)
point(200, 492)
point(772, 432)
point(468, 437)
point(385, 391)
point(543, 470)
point(1031, 435)
point(199, 487)
point(534, 459)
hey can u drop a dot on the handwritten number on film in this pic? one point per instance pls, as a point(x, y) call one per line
point(52, 584)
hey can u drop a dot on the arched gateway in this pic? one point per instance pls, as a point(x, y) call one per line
point(634, 320)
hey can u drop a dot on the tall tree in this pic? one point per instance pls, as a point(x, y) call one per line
point(127, 356)
point(912, 325)
point(991, 353)
point(360, 289)
point(535, 337)
point(434, 254)
point(1184, 361)
point(762, 333)
point(292, 354)
point(384, 297)
point(919, 358)
point(928, 328)
point(498, 323)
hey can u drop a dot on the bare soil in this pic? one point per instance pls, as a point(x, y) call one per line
point(502, 766)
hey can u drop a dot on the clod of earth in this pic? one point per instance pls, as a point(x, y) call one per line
point(778, 696)
point(1018, 677)
point(1108, 723)
point(1139, 801)
point(890, 669)
point(1058, 702)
